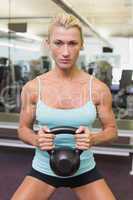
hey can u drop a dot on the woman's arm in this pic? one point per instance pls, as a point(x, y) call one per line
point(27, 115)
point(84, 137)
point(43, 139)
point(106, 117)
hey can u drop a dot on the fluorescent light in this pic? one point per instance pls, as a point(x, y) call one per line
point(25, 35)
point(6, 30)
point(29, 36)
point(18, 46)
point(104, 32)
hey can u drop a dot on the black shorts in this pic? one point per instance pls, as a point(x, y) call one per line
point(71, 182)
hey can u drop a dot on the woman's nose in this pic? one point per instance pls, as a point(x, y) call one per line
point(65, 50)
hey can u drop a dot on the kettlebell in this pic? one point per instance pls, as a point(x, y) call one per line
point(64, 161)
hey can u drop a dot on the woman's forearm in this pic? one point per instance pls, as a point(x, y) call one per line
point(28, 136)
point(103, 136)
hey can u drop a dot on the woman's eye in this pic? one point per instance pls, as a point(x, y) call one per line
point(73, 43)
point(58, 43)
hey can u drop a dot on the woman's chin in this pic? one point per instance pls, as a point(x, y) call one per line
point(64, 66)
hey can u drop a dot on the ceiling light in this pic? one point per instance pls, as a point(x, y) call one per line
point(6, 30)
point(24, 35)
point(104, 32)
point(29, 36)
point(5, 44)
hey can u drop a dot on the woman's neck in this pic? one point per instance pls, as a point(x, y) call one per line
point(67, 74)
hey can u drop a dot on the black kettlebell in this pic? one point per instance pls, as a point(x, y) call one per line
point(64, 161)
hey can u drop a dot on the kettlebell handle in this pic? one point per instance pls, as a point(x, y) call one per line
point(62, 129)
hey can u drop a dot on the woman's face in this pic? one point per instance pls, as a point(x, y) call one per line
point(65, 45)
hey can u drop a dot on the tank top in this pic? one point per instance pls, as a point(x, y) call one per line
point(54, 117)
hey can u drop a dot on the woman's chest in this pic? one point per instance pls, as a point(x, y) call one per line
point(65, 95)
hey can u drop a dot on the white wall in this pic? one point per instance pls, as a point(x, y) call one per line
point(123, 52)
point(19, 54)
point(123, 47)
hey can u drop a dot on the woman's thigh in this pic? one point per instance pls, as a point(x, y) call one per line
point(33, 189)
point(97, 190)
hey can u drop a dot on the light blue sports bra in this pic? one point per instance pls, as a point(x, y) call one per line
point(53, 117)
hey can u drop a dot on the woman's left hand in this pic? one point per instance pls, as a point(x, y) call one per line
point(83, 138)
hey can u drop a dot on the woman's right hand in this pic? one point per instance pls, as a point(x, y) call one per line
point(45, 139)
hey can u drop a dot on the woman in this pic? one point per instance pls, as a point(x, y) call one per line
point(65, 96)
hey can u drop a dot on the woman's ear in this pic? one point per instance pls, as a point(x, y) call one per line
point(82, 48)
point(45, 47)
point(46, 43)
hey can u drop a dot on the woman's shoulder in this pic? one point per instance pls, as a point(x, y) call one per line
point(100, 91)
point(99, 85)
point(33, 84)
point(30, 85)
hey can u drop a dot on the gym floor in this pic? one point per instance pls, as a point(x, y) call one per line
point(15, 163)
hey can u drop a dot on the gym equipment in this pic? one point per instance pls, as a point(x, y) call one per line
point(64, 161)
point(126, 78)
point(102, 70)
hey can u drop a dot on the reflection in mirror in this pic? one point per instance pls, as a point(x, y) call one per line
point(21, 55)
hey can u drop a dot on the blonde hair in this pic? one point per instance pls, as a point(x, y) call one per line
point(67, 21)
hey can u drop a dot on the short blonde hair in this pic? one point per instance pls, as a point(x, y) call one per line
point(67, 21)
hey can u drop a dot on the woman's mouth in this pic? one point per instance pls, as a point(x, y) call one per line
point(64, 61)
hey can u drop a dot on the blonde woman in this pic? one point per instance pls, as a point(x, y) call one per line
point(65, 96)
